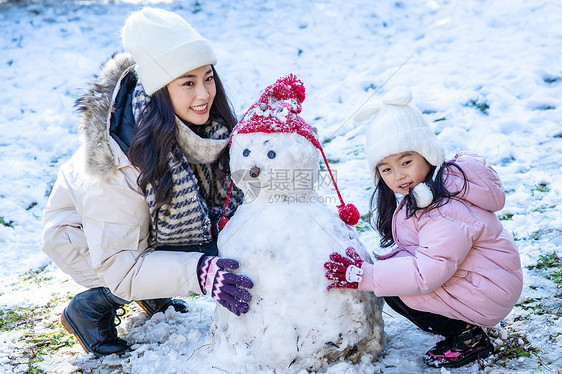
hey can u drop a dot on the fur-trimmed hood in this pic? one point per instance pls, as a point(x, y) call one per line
point(95, 108)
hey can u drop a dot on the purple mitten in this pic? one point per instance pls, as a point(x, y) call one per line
point(346, 272)
point(229, 289)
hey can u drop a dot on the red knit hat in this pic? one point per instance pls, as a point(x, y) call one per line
point(277, 110)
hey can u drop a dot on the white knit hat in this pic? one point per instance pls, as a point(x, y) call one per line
point(399, 127)
point(164, 46)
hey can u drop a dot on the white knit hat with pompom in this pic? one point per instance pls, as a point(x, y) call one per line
point(399, 127)
point(164, 46)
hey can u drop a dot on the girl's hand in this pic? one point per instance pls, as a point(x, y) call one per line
point(228, 289)
point(346, 272)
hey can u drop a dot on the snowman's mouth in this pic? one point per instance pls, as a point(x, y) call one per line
point(257, 185)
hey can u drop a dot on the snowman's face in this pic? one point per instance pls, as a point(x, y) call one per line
point(266, 164)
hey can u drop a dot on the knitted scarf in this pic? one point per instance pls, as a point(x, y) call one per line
point(199, 183)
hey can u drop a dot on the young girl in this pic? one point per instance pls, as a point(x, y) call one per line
point(133, 214)
point(453, 268)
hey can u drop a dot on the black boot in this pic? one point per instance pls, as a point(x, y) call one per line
point(154, 306)
point(459, 350)
point(90, 316)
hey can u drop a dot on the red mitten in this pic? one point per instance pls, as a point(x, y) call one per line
point(345, 272)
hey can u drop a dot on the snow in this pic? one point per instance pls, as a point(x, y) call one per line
point(487, 74)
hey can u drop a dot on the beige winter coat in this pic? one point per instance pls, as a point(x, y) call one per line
point(97, 223)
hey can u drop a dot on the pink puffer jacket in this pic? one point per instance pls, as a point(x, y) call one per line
point(457, 260)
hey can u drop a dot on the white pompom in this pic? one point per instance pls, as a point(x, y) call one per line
point(398, 96)
point(423, 195)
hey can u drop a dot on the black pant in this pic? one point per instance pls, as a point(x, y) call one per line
point(434, 323)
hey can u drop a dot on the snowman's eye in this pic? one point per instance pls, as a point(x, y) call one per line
point(246, 152)
point(271, 154)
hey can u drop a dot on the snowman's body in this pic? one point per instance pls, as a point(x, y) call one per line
point(282, 235)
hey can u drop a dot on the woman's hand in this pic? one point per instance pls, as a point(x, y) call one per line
point(227, 288)
point(346, 272)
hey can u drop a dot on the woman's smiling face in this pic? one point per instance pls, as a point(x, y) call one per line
point(192, 95)
point(403, 171)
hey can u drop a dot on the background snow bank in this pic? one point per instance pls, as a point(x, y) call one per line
point(487, 73)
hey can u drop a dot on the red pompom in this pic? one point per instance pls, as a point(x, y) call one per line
point(297, 86)
point(349, 214)
point(289, 87)
point(222, 223)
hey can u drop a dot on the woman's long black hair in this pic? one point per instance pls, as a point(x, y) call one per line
point(384, 201)
point(155, 137)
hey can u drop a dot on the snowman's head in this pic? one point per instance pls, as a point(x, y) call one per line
point(272, 148)
point(265, 165)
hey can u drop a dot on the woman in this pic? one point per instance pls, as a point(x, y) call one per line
point(134, 213)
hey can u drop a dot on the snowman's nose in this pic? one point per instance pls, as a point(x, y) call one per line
point(255, 172)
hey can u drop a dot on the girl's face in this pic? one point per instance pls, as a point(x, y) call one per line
point(192, 95)
point(403, 171)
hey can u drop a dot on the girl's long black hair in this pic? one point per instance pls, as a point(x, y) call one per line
point(384, 201)
point(155, 137)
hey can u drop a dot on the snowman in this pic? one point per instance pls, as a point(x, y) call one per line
point(281, 236)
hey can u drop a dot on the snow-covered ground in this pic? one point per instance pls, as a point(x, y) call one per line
point(488, 75)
